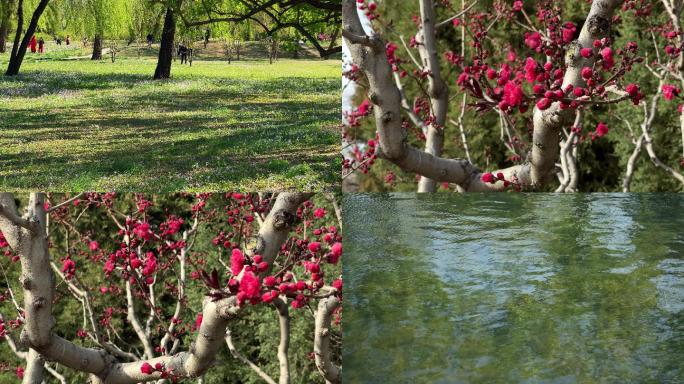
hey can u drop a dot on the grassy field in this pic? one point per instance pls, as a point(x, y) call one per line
point(72, 124)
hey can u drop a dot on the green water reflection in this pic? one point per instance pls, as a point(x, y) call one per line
point(514, 288)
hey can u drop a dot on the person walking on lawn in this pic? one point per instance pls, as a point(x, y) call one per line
point(33, 44)
point(41, 45)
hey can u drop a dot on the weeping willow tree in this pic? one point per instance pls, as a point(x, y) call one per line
point(98, 19)
point(146, 18)
point(6, 13)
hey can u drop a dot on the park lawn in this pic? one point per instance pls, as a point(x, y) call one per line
point(75, 125)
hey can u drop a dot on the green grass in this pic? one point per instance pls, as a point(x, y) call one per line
point(74, 125)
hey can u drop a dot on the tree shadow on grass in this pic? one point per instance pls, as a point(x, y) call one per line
point(169, 168)
point(32, 84)
point(38, 83)
point(249, 138)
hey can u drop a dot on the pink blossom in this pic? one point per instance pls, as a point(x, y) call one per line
point(670, 91)
point(314, 246)
point(312, 267)
point(150, 265)
point(607, 54)
point(530, 70)
point(298, 302)
point(69, 268)
point(632, 89)
point(337, 284)
point(587, 73)
point(250, 285)
point(513, 94)
point(601, 129)
point(462, 79)
point(146, 368)
point(488, 178)
point(135, 262)
point(94, 246)
point(269, 296)
point(20, 372)
point(109, 267)
point(533, 40)
point(586, 52)
point(517, 5)
point(198, 320)
point(634, 93)
point(544, 103)
point(568, 32)
point(510, 56)
point(336, 249)
point(364, 107)
point(319, 213)
point(269, 281)
point(237, 262)
point(142, 230)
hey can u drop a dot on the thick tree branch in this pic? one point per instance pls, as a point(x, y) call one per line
point(437, 89)
point(322, 353)
point(35, 368)
point(277, 225)
point(284, 345)
point(135, 323)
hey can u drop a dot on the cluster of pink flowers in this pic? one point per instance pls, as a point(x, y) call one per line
point(490, 178)
point(68, 267)
point(369, 9)
point(165, 373)
point(3, 241)
point(670, 91)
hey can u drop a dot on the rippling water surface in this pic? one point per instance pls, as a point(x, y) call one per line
point(514, 288)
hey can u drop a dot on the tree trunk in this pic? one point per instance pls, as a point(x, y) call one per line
point(163, 70)
point(3, 34)
point(5, 25)
point(97, 48)
point(19, 50)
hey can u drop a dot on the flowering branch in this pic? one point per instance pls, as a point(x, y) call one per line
point(558, 93)
point(140, 268)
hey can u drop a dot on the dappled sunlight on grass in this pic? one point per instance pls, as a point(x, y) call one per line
point(75, 125)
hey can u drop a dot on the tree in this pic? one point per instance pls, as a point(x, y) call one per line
point(462, 65)
point(306, 16)
point(6, 11)
point(99, 19)
point(20, 44)
point(163, 70)
point(148, 277)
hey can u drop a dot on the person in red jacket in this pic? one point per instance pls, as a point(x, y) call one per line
point(33, 44)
